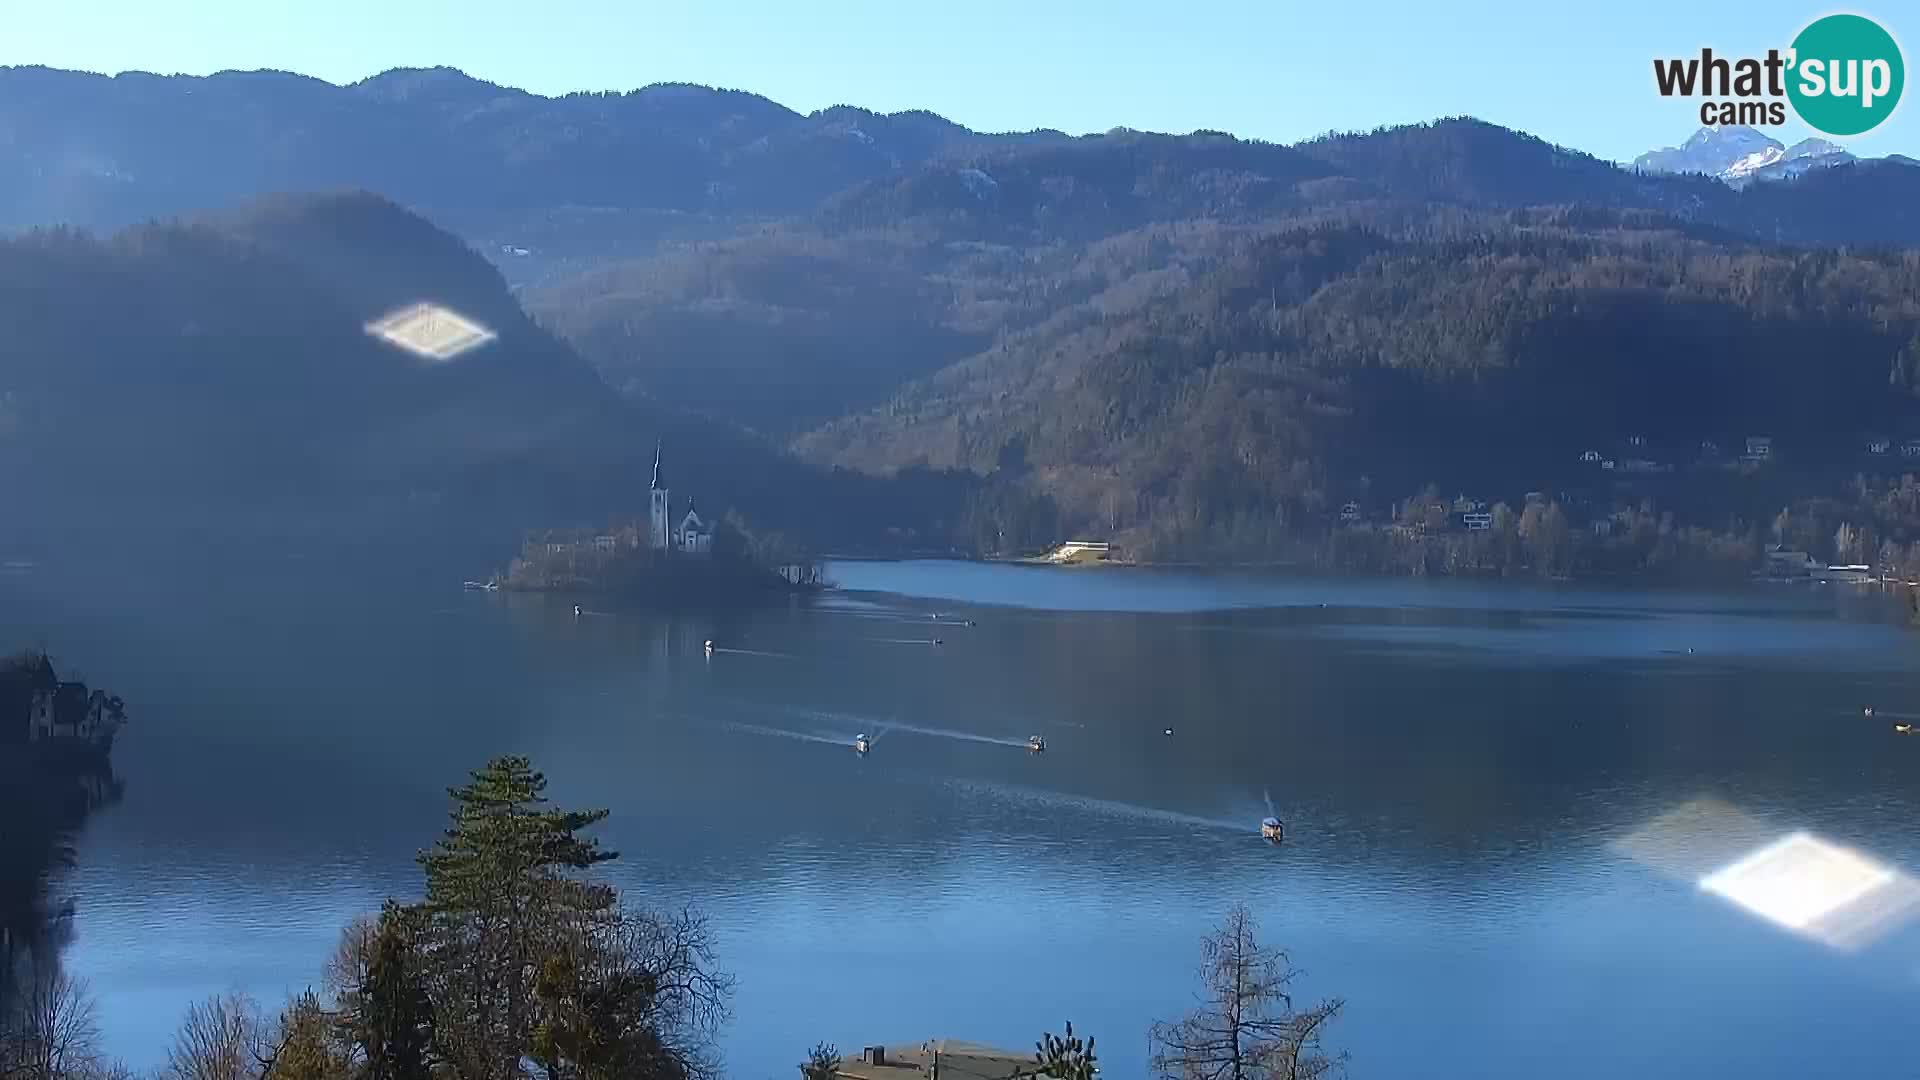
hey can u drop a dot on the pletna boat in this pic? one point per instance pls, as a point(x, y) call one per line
point(861, 744)
point(1272, 830)
point(1036, 743)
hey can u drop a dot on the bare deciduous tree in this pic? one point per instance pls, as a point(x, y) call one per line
point(346, 969)
point(220, 1039)
point(632, 995)
point(52, 1033)
point(1245, 1027)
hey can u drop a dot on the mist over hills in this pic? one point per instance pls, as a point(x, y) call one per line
point(1168, 338)
point(213, 377)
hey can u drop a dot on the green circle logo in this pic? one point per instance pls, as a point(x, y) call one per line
point(1847, 75)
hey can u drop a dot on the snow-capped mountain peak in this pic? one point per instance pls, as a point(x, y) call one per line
point(1754, 162)
point(1741, 155)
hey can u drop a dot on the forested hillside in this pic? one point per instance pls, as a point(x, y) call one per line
point(1200, 345)
point(214, 378)
point(1336, 363)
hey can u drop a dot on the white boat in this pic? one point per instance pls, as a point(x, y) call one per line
point(1272, 830)
point(1036, 743)
point(861, 744)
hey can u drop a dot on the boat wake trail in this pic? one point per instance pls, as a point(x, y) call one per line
point(963, 736)
point(753, 652)
point(877, 616)
point(1054, 800)
point(785, 733)
point(899, 640)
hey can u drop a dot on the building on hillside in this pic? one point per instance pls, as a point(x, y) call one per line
point(1759, 449)
point(692, 536)
point(1910, 448)
point(1350, 512)
point(1878, 447)
point(1081, 551)
point(1783, 561)
point(37, 707)
point(1591, 457)
point(28, 687)
point(938, 1059)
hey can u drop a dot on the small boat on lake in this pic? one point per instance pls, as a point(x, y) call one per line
point(1036, 743)
point(861, 744)
point(1272, 831)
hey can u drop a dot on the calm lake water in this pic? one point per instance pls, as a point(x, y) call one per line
point(1467, 772)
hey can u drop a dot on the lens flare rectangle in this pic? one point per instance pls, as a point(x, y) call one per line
point(430, 331)
point(1798, 881)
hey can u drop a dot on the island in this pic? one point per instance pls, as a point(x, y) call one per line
point(663, 562)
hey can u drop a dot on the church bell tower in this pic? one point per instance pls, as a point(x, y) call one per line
point(659, 532)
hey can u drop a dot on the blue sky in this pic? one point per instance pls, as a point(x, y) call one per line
point(1577, 74)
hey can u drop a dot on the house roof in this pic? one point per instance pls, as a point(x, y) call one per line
point(958, 1061)
point(30, 669)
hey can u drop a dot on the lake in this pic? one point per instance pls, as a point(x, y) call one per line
point(1501, 800)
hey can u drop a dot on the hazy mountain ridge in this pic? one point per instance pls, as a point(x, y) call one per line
point(1084, 322)
point(905, 274)
point(104, 151)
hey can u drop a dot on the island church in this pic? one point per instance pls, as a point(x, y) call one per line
point(691, 536)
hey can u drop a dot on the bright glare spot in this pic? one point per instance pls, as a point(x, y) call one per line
point(431, 331)
point(1835, 895)
point(1800, 880)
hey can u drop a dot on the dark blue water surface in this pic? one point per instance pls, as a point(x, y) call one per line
point(1458, 765)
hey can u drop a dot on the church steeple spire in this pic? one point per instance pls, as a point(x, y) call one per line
point(655, 486)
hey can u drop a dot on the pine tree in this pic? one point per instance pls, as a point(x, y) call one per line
point(501, 900)
point(388, 1016)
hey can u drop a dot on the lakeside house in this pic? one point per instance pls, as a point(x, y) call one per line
point(1081, 551)
point(36, 706)
point(935, 1059)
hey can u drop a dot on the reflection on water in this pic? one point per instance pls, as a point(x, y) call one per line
point(1457, 766)
point(43, 808)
